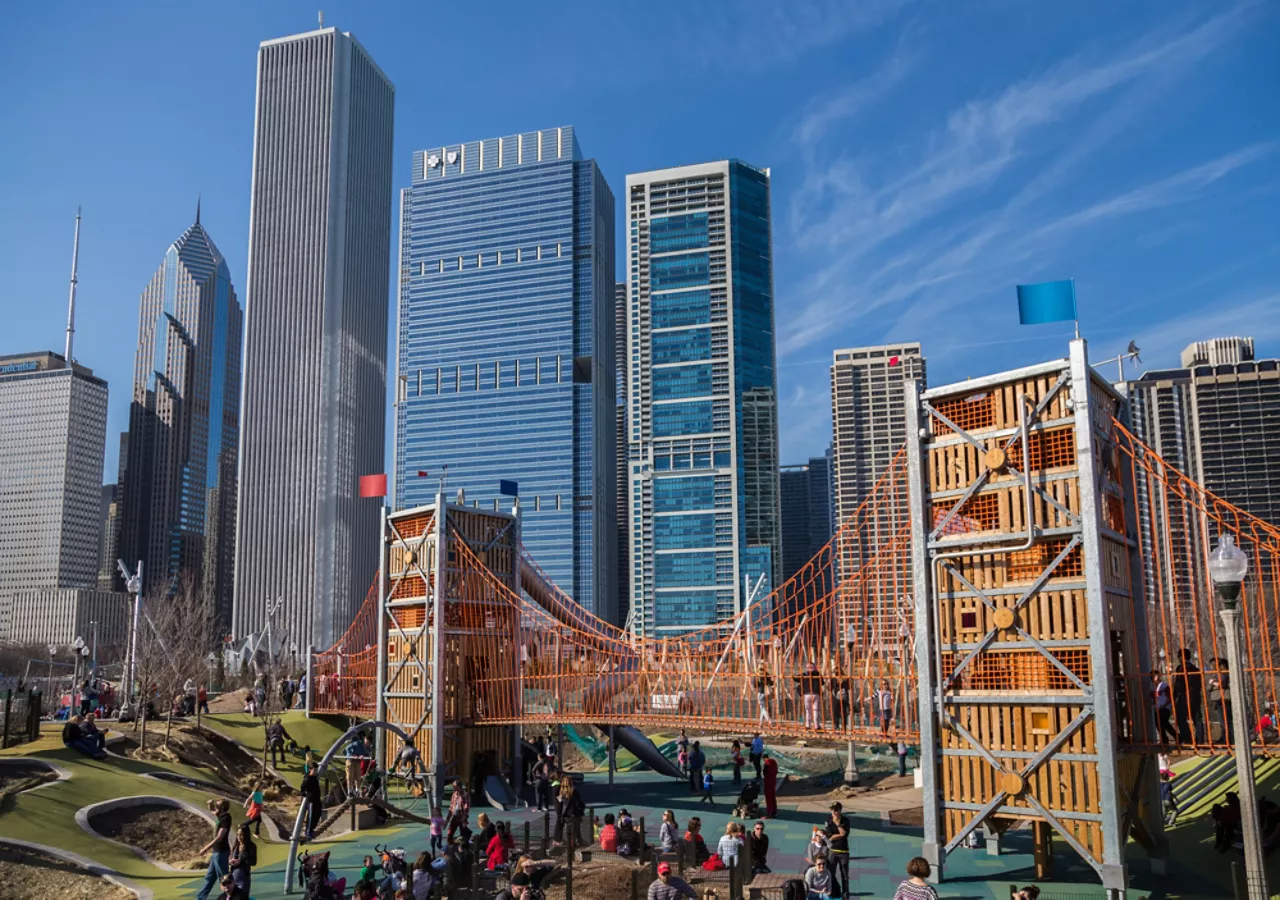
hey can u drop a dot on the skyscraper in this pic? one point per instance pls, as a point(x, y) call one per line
point(506, 345)
point(621, 488)
point(53, 426)
point(178, 496)
point(806, 512)
point(313, 411)
point(702, 402)
point(1218, 420)
point(868, 416)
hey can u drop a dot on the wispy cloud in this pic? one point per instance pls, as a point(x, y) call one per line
point(847, 209)
point(826, 110)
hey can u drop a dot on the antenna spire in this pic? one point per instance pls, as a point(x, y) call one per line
point(71, 305)
point(321, 17)
point(197, 209)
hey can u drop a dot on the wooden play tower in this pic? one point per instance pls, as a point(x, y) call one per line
point(1029, 624)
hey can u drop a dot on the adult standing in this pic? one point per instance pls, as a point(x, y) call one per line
point(697, 762)
point(310, 790)
point(757, 752)
point(244, 856)
point(837, 832)
point(357, 752)
point(1188, 690)
point(810, 687)
point(763, 684)
point(839, 698)
point(884, 706)
point(569, 810)
point(219, 849)
point(542, 783)
point(770, 787)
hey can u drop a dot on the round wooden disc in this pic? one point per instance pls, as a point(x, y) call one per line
point(1012, 784)
point(409, 557)
point(1004, 618)
point(994, 458)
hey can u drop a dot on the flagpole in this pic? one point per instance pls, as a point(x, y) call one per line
point(1075, 308)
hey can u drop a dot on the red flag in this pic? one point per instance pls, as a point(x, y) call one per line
point(894, 360)
point(373, 485)
point(422, 473)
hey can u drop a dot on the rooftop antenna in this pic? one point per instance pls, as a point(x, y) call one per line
point(321, 17)
point(71, 306)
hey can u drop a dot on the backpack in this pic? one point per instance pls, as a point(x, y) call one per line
point(794, 890)
point(251, 854)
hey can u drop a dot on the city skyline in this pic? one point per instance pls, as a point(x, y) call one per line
point(1178, 281)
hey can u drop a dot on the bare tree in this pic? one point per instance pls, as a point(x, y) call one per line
point(174, 638)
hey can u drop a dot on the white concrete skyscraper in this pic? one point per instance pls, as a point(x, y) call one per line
point(313, 414)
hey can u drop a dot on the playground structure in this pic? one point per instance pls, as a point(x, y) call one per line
point(1018, 571)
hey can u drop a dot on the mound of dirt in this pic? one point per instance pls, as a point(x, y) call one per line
point(605, 876)
point(25, 873)
point(173, 836)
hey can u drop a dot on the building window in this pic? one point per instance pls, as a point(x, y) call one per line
point(442, 267)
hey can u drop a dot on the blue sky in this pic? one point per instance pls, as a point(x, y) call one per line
point(926, 156)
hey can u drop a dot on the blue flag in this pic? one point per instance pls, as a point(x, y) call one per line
point(1048, 301)
point(509, 488)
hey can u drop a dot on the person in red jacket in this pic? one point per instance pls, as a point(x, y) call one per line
point(609, 835)
point(499, 847)
point(770, 787)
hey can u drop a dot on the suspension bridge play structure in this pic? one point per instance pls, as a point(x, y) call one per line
point(1010, 585)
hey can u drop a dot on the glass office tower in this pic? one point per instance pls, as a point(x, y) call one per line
point(702, 405)
point(506, 346)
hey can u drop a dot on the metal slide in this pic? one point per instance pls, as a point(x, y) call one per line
point(645, 750)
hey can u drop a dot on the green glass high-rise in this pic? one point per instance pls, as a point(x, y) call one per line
point(702, 394)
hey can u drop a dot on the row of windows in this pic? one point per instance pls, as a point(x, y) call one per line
point(480, 260)
point(682, 381)
point(679, 494)
point(494, 375)
point(682, 532)
point(672, 233)
point(680, 346)
point(692, 417)
point(685, 569)
point(679, 309)
point(671, 272)
point(684, 608)
point(699, 459)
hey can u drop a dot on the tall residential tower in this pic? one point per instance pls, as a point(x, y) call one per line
point(506, 346)
point(702, 402)
point(178, 497)
point(313, 413)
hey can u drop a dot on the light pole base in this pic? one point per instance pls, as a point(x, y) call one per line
point(850, 767)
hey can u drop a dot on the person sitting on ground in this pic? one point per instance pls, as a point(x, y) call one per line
point(499, 848)
point(730, 845)
point(74, 738)
point(693, 839)
point(668, 886)
point(531, 873)
point(513, 891)
point(669, 833)
point(89, 732)
point(915, 887)
point(369, 871)
point(818, 880)
point(628, 837)
point(609, 835)
point(758, 843)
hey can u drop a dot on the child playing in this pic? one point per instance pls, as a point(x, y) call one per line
point(370, 872)
point(682, 758)
point(437, 831)
point(708, 785)
point(818, 846)
point(1168, 799)
point(253, 809)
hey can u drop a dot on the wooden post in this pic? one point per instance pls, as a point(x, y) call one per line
point(635, 884)
point(546, 832)
point(735, 883)
point(1042, 835)
point(8, 705)
point(644, 840)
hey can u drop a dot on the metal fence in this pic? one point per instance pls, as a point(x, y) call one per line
point(21, 717)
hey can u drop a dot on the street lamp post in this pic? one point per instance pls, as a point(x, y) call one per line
point(850, 764)
point(1228, 566)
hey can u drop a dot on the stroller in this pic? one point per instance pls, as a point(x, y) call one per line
point(313, 875)
point(395, 870)
point(747, 807)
